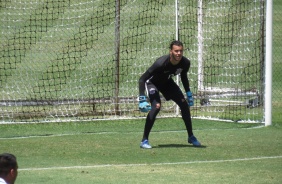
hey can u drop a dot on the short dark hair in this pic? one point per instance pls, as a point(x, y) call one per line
point(8, 161)
point(175, 42)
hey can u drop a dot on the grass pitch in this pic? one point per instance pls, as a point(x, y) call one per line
point(108, 152)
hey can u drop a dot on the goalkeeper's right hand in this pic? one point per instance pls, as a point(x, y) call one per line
point(144, 106)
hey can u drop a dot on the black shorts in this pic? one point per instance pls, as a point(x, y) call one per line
point(170, 90)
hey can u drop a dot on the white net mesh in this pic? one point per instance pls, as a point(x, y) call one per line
point(61, 60)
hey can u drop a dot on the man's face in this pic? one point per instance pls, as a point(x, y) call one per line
point(176, 54)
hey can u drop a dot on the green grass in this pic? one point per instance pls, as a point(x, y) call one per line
point(107, 152)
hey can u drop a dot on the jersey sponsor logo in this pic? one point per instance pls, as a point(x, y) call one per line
point(178, 71)
point(170, 76)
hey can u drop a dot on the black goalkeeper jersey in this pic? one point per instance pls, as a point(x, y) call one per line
point(162, 70)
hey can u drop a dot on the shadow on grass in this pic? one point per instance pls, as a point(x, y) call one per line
point(177, 146)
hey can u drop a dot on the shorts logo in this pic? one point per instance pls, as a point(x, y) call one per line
point(152, 91)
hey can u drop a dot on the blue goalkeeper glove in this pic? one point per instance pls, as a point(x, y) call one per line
point(190, 98)
point(144, 106)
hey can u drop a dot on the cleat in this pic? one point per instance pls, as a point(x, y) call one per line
point(193, 140)
point(145, 144)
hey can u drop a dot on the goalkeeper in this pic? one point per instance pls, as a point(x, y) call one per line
point(158, 78)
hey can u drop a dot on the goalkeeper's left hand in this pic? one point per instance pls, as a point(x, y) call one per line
point(190, 98)
point(144, 106)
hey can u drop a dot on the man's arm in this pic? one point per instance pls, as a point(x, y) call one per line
point(142, 81)
point(144, 106)
point(185, 81)
point(186, 85)
point(156, 66)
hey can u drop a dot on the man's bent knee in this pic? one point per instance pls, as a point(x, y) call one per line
point(158, 105)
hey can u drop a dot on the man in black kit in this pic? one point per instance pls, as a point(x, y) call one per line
point(158, 78)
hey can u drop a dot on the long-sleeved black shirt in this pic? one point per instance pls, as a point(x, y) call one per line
point(162, 70)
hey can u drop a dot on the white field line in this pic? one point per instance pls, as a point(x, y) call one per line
point(152, 164)
point(100, 133)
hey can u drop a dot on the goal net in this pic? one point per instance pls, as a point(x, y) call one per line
point(76, 60)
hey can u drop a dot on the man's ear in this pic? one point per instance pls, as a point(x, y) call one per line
point(13, 172)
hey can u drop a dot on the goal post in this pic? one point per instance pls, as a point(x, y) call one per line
point(200, 45)
point(268, 65)
point(81, 60)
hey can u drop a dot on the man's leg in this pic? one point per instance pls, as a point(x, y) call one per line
point(185, 112)
point(151, 117)
point(173, 92)
point(186, 116)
